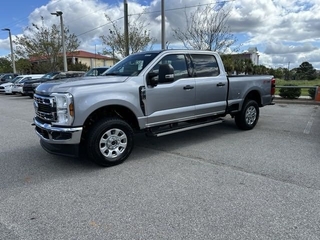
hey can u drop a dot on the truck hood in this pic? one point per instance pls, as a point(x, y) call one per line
point(65, 85)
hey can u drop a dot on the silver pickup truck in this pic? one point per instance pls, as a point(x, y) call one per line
point(158, 92)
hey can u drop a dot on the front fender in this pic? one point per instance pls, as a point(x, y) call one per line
point(87, 104)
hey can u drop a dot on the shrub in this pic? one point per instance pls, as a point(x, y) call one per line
point(290, 93)
point(312, 92)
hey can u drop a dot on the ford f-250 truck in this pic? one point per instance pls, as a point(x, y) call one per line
point(159, 92)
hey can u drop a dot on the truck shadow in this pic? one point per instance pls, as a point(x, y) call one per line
point(34, 157)
point(186, 139)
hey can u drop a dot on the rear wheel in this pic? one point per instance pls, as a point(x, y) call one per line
point(110, 142)
point(249, 115)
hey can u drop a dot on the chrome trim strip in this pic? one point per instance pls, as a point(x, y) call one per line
point(75, 133)
point(188, 128)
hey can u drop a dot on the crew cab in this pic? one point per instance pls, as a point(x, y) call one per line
point(157, 92)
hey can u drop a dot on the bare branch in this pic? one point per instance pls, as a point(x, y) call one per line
point(206, 29)
point(139, 36)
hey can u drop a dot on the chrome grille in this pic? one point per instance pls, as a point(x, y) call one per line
point(45, 108)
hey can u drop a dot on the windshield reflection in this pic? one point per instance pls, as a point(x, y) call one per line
point(131, 65)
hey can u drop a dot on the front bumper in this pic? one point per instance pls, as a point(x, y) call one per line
point(68, 150)
point(57, 135)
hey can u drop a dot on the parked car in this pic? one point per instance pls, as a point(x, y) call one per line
point(7, 77)
point(156, 92)
point(96, 71)
point(30, 85)
point(17, 86)
point(7, 87)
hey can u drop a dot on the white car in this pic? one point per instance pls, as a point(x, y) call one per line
point(6, 87)
point(18, 83)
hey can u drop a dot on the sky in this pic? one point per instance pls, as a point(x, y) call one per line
point(285, 32)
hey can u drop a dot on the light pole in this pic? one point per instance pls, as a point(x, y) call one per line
point(12, 54)
point(59, 14)
point(163, 27)
point(126, 31)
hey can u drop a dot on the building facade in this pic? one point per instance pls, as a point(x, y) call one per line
point(90, 59)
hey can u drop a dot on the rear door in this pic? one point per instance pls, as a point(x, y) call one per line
point(171, 101)
point(211, 86)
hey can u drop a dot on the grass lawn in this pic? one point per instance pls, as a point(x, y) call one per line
point(304, 91)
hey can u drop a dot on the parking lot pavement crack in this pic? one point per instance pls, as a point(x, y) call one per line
point(235, 168)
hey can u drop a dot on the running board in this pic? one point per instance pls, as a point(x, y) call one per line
point(185, 128)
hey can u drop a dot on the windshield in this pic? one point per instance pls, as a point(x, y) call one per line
point(49, 75)
point(96, 71)
point(131, 65)
point(17, 79)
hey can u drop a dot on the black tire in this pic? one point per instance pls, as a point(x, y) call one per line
point(249, 115)
point(109, 142)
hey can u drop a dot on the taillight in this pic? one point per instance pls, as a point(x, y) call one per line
point(273, 86)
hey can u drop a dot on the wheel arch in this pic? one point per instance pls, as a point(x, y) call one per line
point(253, 95)
point(117, 111)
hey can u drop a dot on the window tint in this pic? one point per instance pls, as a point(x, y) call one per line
point(178, 62)
point(132, 65)
point(205, 65)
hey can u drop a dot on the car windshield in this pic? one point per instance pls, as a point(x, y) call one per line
point(17, 79)
point(131, 65)
point(96, 71)
point(50, 75)
point(12, 80)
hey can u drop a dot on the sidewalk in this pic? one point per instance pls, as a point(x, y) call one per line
point(300, 100)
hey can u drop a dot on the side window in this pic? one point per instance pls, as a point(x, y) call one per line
point(205, 65)
point(178, 62)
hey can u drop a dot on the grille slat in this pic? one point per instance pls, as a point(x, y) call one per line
point(45, 108)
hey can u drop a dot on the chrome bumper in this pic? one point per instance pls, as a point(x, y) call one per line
point(57, 135)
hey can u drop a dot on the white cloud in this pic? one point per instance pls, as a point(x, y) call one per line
point(283, 30)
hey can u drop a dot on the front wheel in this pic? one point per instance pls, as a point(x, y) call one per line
point(249, 115)
point(110, 142)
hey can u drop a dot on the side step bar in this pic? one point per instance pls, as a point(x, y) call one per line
point(161, 133)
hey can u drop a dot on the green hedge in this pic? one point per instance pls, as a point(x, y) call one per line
point(312, 92)
point(290, 93)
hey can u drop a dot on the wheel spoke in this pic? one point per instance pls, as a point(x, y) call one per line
point(113, 143)
point(251, 115)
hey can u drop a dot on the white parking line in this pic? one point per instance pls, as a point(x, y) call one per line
point(310, 122)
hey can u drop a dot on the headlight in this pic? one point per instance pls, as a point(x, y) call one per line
point(8, 86)
point(65, 108)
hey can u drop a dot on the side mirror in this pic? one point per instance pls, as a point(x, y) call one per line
point(152, 79)
point(166, 73)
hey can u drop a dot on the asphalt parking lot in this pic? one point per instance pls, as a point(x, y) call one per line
point(216, 182)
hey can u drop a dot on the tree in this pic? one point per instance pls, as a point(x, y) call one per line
point(228, 63)
point(139, 37)
point(306, 72)
point(206, 29)
point(79, 66)
point(260, 70)
point(44, 45)
point(5, 66)
point(24, 66)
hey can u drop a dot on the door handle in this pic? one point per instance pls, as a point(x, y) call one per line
point(188, 87)
point(220, 84)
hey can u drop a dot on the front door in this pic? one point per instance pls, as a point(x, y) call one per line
point(173, 101)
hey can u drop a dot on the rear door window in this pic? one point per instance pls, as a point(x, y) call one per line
point(205, 65)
